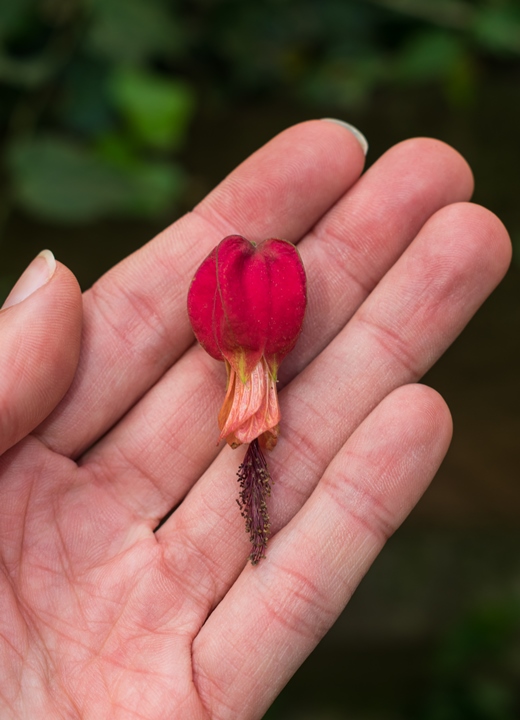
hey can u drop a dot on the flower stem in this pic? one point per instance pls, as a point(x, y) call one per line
point(255, 487)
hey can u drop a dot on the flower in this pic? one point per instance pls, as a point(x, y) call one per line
point(246, 305)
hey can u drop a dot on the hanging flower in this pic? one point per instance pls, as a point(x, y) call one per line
point(246, 305)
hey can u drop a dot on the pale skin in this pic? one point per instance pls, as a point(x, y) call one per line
point(100, 616)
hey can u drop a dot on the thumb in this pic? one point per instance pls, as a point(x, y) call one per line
point(40, 333)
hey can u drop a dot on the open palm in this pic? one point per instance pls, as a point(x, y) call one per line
point(105, 615)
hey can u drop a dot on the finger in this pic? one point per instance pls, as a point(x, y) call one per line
point(363, 235)
point(163, 445)
point(40, 327)
point(276, 613)
point(136, 323)
point(416, 311)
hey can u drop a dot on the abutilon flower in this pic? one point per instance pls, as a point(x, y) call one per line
point(246, 305)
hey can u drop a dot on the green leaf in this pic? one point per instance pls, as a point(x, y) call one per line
point(117, 149)
point(156, 185)
point(12, 15)
point(428, 56)
point(83, 103)
point(58, 180)
point(28, 72)
point(498, 28)
point(132, 31)
point(347, 83)
point(157, 109)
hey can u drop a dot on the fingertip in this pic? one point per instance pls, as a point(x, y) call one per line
point(363, 142)
point(41, 335)
point(492, 232)
point(474, 231)
point(437, 157)
point(428, 414)
point(37, 274)
point(298, 175)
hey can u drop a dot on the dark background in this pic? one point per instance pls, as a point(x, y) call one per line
point(119, 115)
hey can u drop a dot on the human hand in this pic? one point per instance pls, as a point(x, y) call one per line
point(101, 617)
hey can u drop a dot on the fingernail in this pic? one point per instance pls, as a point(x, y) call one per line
point(35, 275)
point(357, 134)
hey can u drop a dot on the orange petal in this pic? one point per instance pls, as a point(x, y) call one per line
point(251, 408)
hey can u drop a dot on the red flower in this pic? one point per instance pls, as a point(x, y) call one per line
point(246, 305)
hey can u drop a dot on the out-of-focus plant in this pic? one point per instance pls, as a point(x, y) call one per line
point(91, 111)
point(97, 95)
point(476, 673)
point(340, 51)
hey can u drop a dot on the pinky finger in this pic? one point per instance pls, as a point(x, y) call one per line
point(277, 612)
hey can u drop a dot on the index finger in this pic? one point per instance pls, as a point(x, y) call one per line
point(135, 320)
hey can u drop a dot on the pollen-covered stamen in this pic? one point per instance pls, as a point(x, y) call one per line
point(255, 488)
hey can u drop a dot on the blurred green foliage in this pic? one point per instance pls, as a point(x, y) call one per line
point(91, 111)
point(97, 96)
point(477, 666)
